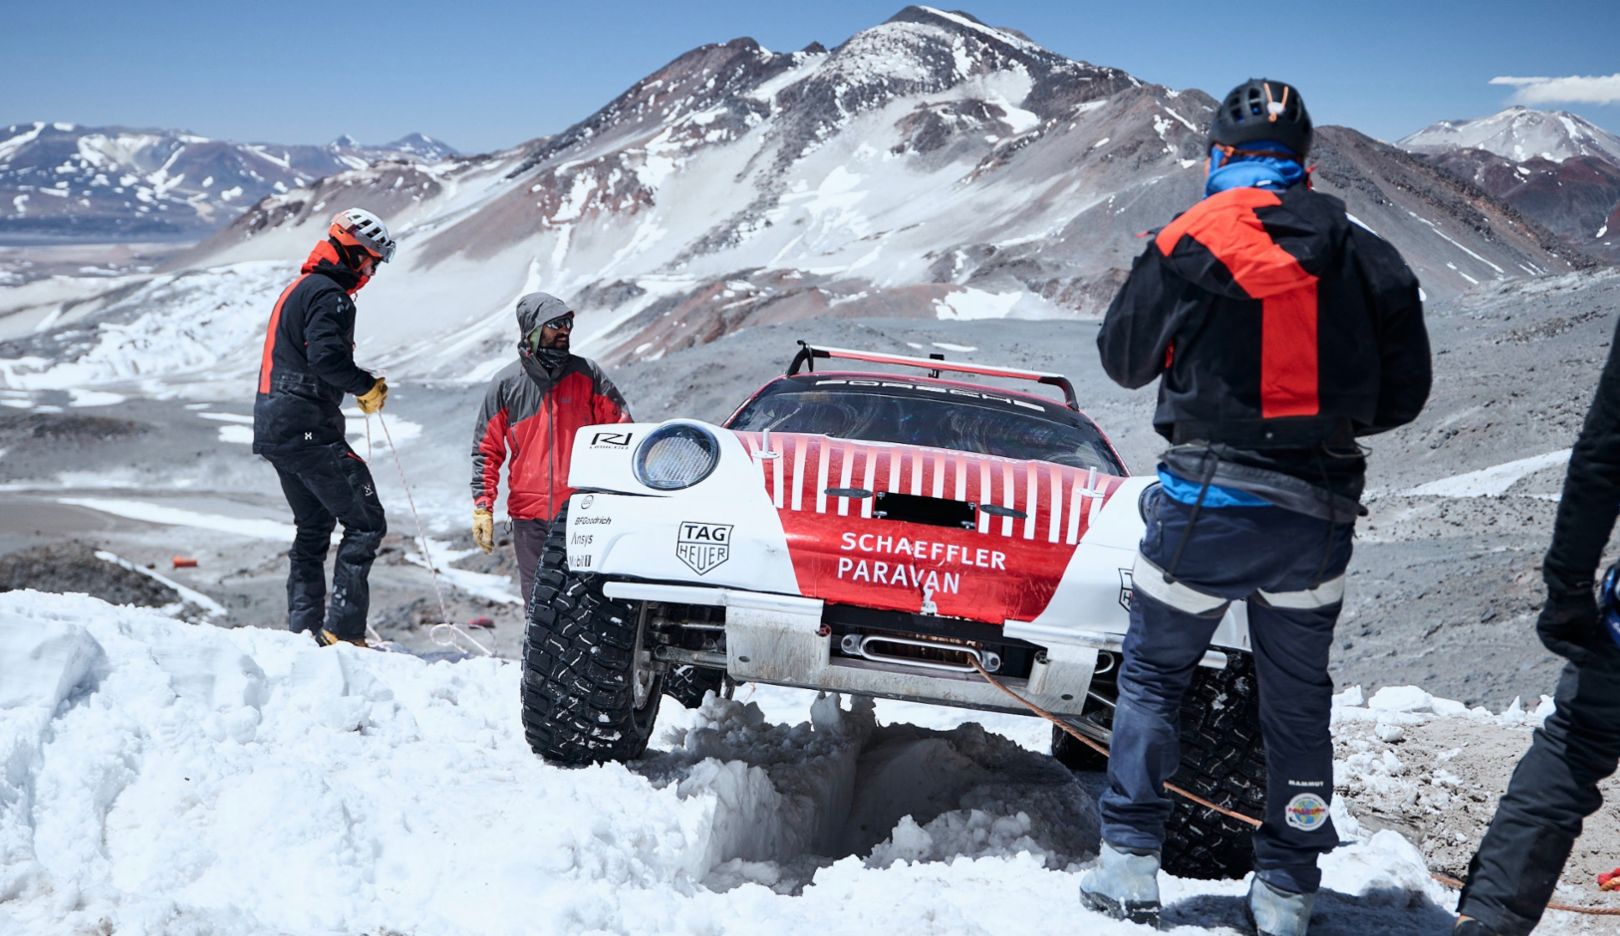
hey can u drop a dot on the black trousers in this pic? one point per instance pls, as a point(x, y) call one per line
point(1553, 789)
point(528, 544)
point(326, 485)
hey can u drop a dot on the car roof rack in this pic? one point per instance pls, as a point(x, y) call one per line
point(806, 359)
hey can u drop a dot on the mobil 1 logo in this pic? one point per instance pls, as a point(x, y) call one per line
point(703, 546)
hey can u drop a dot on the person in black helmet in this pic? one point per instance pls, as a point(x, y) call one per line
point(1555, 786)
point(1280, 332)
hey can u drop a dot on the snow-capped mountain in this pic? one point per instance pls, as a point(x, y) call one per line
point(1554, 167)
point(1519, 134)
point(62, 182)
point(929, 166)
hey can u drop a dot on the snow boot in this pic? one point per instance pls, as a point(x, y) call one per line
point(1468, 926)
point(1278, 912)
point(326, 639)
point(1123, 885)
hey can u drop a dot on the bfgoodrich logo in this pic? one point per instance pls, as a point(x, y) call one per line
point(703, 546)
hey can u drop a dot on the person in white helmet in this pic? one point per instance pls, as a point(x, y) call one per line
point(307, 368)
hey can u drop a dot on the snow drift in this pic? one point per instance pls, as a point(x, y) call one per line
point(163, 777)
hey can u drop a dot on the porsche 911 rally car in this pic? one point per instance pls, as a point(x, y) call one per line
point(874, 533)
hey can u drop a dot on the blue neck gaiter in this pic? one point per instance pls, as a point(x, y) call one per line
point(1271, 172)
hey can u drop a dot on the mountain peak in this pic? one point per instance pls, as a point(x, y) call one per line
point(1519, 133)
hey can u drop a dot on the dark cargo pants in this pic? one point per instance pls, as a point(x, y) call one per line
point(528, 544)
point(1290, 568)
point(326, 485)
point(1553, 789)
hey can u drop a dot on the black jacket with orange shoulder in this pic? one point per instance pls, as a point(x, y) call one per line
point(308, 363)
point(1275, 323)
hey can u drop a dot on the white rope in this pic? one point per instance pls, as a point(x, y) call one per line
point(438, 631)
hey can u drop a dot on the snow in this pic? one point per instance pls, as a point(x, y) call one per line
point(82, 397)
point(977, 304)
point(1490, 482)
point(162, 777)
point(177, 516)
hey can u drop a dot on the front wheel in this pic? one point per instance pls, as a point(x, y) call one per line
point(590, 688)
point(1223, 760)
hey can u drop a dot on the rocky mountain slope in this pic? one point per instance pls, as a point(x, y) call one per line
point(930, 166)
point(63, 183)
point(1555, 168)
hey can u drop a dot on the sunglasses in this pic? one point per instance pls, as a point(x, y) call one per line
point(560, 323)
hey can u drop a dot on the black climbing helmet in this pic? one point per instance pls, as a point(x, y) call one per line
point(1262, 110)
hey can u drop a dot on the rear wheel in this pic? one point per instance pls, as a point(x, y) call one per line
point(1223, 760)
point(590, 688)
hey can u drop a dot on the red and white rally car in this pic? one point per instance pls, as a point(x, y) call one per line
point(872, 533)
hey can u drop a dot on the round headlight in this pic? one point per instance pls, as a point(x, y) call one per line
point(676, 456)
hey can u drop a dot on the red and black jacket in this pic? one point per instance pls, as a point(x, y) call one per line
point(533, 414)
point(1275, 322)
point(308, 362)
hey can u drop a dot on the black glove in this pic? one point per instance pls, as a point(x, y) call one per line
point(1568, 626)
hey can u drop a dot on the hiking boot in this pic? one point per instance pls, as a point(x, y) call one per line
point(1278, 912)
point(1123, 885)
point(326, 639)
point(1468, 926)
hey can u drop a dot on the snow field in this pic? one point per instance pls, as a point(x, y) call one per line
point(163, 777)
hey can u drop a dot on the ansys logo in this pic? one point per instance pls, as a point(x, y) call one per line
point(703, 546)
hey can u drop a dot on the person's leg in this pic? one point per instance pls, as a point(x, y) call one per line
point(1553, 789)
point(528, 544)
point(1291, 649)
point(353, 499)
point(1210, 559)
point(306, 573)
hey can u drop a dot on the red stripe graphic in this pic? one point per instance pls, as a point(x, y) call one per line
point(270, 336)
point(1228, 227)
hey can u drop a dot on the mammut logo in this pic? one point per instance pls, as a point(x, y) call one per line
point(703, 546)
point(611, 440)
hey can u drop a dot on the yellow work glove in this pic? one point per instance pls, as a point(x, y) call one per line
point(484, 529)
point(372, 400)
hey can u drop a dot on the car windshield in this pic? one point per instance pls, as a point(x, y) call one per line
point(935, 415)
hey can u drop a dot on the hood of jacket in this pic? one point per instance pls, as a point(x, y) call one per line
point(537, 307)
point(1252, 243)
point(324, 260)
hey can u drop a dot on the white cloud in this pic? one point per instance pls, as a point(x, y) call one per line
point(1572, 89)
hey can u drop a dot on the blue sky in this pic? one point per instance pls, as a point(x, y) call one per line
point(482, 75)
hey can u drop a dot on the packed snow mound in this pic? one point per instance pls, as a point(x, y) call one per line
point(163, 777)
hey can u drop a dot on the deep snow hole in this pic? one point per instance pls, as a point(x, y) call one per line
point(789, 800)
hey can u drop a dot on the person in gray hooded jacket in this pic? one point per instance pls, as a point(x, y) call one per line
point(532, 411)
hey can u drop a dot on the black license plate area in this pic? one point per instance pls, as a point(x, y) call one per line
point(933, 511)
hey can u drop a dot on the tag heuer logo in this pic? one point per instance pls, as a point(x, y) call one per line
point(703, 546)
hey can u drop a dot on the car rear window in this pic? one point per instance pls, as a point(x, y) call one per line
point(936, 415)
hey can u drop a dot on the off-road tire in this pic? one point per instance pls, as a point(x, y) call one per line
point(688, 684)
point(1223, 760)
point(579, 653)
